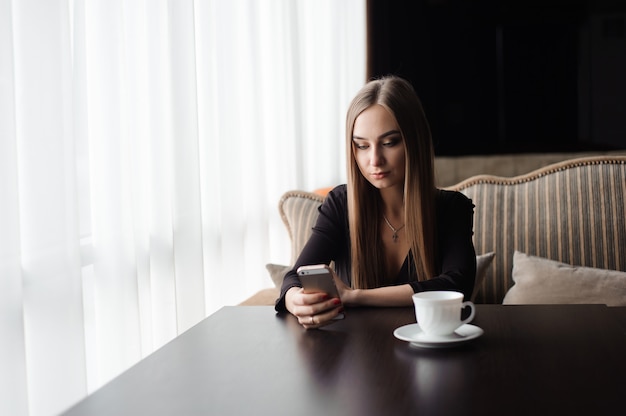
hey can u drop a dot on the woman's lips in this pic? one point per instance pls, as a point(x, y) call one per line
point(379, 175)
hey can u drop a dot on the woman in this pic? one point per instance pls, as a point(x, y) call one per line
point(390, 232)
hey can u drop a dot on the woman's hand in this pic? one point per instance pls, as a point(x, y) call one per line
point(345, 291)
point(313, 310)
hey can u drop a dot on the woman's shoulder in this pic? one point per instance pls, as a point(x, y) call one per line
point(338, 195)
point(448, 198)
point(335, 206)
point(336, 198)
point(339, 190)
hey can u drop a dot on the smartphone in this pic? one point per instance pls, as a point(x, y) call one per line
point(318, 278)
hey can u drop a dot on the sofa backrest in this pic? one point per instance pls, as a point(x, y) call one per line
point(572, 212)
point(299, 212)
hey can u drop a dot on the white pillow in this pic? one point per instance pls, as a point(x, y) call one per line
point(542, 281)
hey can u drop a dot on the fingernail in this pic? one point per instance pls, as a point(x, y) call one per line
point(336, 301)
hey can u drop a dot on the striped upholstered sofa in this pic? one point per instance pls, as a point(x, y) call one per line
point(572, 213)
point(558, 233)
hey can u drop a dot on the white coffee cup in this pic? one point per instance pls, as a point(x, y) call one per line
point(438, 313)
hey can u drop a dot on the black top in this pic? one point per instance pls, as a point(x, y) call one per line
point(456, 258)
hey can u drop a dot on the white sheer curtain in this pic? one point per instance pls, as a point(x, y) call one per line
point(143, 148)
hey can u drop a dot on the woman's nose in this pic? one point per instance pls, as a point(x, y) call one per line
point(376, 158)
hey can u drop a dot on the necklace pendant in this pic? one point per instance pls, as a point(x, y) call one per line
point(392, 228)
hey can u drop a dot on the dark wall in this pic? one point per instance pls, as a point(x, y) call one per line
point(506, 77)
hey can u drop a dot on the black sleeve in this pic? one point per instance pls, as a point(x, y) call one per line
point(327, 242)
point(456, 257)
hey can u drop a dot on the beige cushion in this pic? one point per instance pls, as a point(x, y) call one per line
point(277, 273)
point(541, 281)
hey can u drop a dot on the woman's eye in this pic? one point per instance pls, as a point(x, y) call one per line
point(390, 143)
point(360, 146)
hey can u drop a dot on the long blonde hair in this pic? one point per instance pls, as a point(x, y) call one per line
point(364, 202)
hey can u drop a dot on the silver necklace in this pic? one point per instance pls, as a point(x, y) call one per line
point(395, 230)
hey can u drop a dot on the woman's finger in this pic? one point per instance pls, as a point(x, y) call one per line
point(320, 320)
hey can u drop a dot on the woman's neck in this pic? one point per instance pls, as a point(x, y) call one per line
point(393, 202)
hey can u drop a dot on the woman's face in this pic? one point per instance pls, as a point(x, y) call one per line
point(378, 148)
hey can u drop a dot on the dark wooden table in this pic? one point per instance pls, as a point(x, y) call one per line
point(531, 360)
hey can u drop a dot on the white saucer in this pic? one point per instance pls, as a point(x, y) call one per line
point(414, 334)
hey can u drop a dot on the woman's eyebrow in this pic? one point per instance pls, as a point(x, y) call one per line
point(389, 133)
point(382, 136)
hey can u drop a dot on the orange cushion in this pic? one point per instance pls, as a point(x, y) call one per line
point(323, 191)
